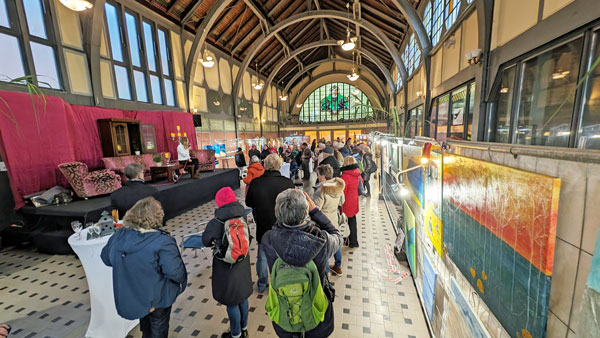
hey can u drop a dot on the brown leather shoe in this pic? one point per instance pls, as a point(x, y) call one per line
point(335, 270)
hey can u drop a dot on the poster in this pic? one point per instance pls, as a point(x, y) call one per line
point(499, 230)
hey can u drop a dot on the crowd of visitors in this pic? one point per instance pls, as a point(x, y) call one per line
point(297, 233)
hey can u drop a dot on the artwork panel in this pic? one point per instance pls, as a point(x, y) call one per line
point(433, 202)
point(409, 231)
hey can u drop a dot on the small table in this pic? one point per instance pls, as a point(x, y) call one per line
point(105, 322)
point(160, 171)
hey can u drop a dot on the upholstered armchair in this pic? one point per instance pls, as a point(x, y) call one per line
point(87, 184)
point(118, 163)
point(206, 159)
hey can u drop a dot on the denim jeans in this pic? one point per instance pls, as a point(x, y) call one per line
point(238, 318)
point(337, 256)
point(156, 323)
point(262, 269)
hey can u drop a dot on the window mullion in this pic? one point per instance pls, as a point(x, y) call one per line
point(587, 55)
point(58, 47)
point(25, 42)
point(127, 62)
point(514, 114)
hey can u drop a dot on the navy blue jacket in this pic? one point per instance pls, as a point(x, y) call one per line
point(147, 271)
point(316, 240)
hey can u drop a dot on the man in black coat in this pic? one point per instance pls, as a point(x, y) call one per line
point(134, 190)
point(253, 152)
point(261, 197)
point(331, 160)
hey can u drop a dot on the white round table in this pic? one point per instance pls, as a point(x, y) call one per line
point(104, 320)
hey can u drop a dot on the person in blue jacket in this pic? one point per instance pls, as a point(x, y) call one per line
point(148, 272)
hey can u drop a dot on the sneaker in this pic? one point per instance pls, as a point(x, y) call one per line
point(354, 245)
point(335, 270)
point(261, 290)
point(245, 333)
point(226, 335)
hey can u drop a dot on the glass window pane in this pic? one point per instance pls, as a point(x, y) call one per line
point(4, 14)
point(150, 51)
point(11, 61)
point(438, 19)
point(452, 9)
point(169, 96)
point(114, 32)
point(589, 132)
point(442, 117)
point(45, 65)
point(156, 94)
point(140, 86)
point(470, 112)
point(122, 79)
point(132, 36)
point(433, 118)
point(35, 18)
point(549, 80)
point(457, 122)
point(500, 129)
point(164, 60)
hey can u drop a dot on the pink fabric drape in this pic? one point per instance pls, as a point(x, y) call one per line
point(66, 133)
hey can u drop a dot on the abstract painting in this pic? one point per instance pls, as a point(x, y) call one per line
point(412, 158)
point(500, 230)
point(429, 283)
point(459, 318)
point(433, 202)
point(409, 231)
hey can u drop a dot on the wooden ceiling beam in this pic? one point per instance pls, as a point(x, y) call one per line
point(189, 11)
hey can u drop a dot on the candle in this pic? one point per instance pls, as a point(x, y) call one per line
point(166, 155)
point(172, 135)
point(178, 134)
point(178, 128)
point(185, 134)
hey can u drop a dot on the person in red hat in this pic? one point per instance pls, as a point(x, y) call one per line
point(231, 282)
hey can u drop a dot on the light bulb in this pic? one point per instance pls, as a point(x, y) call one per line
point(77, 5)
point(348, 45)
point(298, 105)
point(283, 98)
point(353, 77)
point(424, 160)
point(404, 191)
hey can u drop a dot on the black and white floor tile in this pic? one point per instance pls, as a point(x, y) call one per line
point(47, 296)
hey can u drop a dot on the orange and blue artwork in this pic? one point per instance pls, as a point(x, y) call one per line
point(500, 230)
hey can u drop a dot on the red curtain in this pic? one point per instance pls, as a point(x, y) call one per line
point(66, 133)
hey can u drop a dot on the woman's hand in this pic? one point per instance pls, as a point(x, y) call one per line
point(4, 329)
point(311, 203)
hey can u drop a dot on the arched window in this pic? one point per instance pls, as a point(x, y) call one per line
point(437, 20)
point(452, 7)
point(427, 19)
point(336, 101)
point(412, 55)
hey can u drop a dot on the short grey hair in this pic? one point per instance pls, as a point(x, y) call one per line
point(254, 159)
point(325, 170)
point(133, 170)
point(291, 207)
point(272, 162)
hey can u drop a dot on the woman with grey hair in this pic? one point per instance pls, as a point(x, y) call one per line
point(303, 233)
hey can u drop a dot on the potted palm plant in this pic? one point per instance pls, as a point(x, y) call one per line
point(157, 158)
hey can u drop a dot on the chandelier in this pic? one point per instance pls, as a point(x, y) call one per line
point(257, 85)
point(350, 42)
point(283, 97)
point(207, 60)
point(77, 5)
point(354, 76)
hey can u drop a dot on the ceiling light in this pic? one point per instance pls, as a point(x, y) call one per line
point(217, 103)
point(349, 45)
point(504, 90)
point(207, 60)
point(354, 76)
point(560, 75)
point(263, 120)
point(257, 86)
point(355, 92)
point(243, 108)
point(283, 98)
point(403, 191)
point(298, 105)
point(77, 5)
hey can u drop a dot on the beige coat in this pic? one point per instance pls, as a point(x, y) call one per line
point(328, 197)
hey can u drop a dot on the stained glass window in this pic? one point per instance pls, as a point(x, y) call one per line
point(336, 101)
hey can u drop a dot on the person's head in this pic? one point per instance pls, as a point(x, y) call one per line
point(145, 214)
point(184, 140)
point(324, 172)
point(134, 171)
point(328, 151)
point(225, 196)
point(338, 156)
point(254, 159)
point(239, 149)
point(304, 145)
point(253, 147)
point(272, 163)
point(291, 207)
point(349, 160)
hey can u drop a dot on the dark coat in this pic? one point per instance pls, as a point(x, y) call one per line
point(231, 283)
point(124, 198)
point(253, 152)
point(351, 176)
point(344, 151)
point(147, 271)
point(266, 152)
point(261, 196)
point(333, 162)
point(316, 240)
point(240, 159)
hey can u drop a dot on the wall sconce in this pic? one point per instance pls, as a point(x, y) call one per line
point(419, 93)
point(474, 56)
point(195, 111)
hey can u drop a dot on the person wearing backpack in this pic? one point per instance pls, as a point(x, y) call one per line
point(298, 249)
point(369, 168)
point(228, 234)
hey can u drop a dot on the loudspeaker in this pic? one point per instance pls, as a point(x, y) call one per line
point(197, 120)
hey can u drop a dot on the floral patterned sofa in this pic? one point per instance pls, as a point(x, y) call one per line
point(87, 184)
point(118, 164)
point(206, 159)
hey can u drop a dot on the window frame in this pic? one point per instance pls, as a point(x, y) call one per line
point(466, 112)
point(310, 113)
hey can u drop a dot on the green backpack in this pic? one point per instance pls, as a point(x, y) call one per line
point(296, 301)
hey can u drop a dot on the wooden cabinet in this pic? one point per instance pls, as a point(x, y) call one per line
point(123, 137)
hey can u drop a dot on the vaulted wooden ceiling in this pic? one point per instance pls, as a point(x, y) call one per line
point(239, 27)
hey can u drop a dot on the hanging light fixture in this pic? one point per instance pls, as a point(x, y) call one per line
point(283, 97)
point(298, 105)
point(350, 42)
point(258, 85)
point(354, 76)
point(77, 5)
point(207, 60)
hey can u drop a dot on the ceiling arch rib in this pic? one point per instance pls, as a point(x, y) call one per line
point(320, 14)
point(317, 44)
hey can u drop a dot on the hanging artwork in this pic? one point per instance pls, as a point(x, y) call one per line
point(334, 102)
point(409, 231)
point(590, 306)
point(429, 283)
point(433, 202)
point(412, 158)
point(500, 229)
point(459, 318)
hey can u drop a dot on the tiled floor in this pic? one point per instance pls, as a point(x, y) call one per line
point(46, 296)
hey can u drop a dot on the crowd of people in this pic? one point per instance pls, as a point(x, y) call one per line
point(298, 232)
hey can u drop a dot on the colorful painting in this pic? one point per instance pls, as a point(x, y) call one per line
point(500, 229)
point(460, 319)
point(433, 202)
point(429, 282)
point(409, 231)
point(334, 102)
point(412, 158)
point(588, 316)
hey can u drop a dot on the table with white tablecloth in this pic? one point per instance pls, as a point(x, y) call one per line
point(104, 320)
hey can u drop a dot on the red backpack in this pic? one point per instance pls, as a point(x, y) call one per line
point(236, 240)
